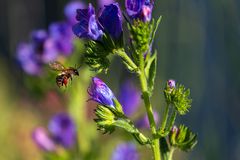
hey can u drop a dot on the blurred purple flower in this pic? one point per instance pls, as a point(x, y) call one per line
point(42, 140)
point(63, 130)
point(44, 49)
point(125, 151)
point(100, 92)
point(70, 11)
point(34, 54)
point(62, 35)
point(139, 9)
point(129, 97)
point(25, 56)
point(111, 20)
point(87, 26)
point(144, 123)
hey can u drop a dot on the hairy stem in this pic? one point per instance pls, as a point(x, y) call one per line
point(165, 117)
point(171, 153)
point(146, 98)
point(126, 59)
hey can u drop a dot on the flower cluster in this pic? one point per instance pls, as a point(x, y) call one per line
point(92, 27)
point(62, 131)
point(46, 46)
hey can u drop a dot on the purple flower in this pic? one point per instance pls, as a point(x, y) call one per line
point(171, 83)
point(42, 140)
point(27, 59)
point(70, 11)
point(63, 130)
point(111, 20)
point(102, 3)
point(87, 27)
point(61, 34)
point(34, 54)
point(129, 97)
point(144, 123)
point(139, 9)
point(100, 92)
point(43, 46)
point(125, 151)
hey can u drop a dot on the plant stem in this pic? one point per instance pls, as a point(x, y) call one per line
point(165, 117)
point(171, 153)
point(145, 95)
point(146, 98)
point(126, 59)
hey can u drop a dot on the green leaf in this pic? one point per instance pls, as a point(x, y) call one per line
point(155, 29)
point(151, 72)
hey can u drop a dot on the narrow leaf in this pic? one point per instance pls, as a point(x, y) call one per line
point(152, 73)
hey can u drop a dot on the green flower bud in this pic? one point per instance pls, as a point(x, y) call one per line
point(177, 96)
point(182, 138)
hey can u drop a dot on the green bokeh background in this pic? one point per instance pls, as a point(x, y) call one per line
point(198, 44)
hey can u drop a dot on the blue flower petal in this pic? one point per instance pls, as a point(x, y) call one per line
point(87, 26)
point(111, 20)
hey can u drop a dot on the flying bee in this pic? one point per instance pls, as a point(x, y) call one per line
point(65, 74)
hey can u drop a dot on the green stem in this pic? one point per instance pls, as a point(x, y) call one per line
point(146, 98)
point(126, 59)
point(171, 153)
point(165, 117)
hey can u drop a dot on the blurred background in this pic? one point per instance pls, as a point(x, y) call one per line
point(198, 45)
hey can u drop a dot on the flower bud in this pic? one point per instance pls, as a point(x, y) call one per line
point(139, 9)
point(182, 138)
point(171, 83)
point(111, 20)
point(100, 92)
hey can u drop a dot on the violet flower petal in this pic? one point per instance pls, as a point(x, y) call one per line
point(100, 92)
point(87, 26)
point(111, 20)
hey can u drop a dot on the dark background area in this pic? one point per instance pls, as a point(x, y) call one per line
point(198, 44)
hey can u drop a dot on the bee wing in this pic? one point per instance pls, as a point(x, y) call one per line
point(56, 66)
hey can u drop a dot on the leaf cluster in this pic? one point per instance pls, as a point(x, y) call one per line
point(108, 119)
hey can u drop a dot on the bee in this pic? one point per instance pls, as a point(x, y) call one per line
point(65, 74)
